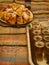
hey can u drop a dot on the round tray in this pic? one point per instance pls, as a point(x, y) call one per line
point(4, 24)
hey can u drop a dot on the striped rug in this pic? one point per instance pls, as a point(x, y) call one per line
point(13, 46)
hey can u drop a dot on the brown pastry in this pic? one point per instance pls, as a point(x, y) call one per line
point(9, 10)
point(39, 44)
point(45, 31)
point(38, 38)
point(14, 6)
point(36, 22)
point(36, 31)
point(19, 11)
point(36, 27)
point(6, 16)
point(27, 15)
point(47, 48)
point(46, 38)
point(12, 19)
point(1, 14)
point(19, 20)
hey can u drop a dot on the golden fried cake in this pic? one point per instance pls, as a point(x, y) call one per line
point(14, 6)
point(15, 14)
point(19, 20)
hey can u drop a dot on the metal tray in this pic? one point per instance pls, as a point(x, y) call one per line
point(2, 22)
point(33, 60)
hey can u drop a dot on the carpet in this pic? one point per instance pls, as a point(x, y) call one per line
point(13, 46)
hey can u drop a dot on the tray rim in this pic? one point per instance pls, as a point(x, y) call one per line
point(3, 24)
point(29, 52)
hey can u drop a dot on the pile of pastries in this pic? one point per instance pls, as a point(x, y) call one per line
point(15, 14)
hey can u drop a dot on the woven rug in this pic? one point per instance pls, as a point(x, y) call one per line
point(13, 46)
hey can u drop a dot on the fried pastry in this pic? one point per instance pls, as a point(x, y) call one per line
point(6, 16)
point(19, 20)
point(1, 14)
point(14, 6)
point(19, 11)
point(46, 38)
point(45, 31)
point(27, 15)
point(12, 19)
point(38, 38)
point(36, 31)
point(15, 14)
point(9, 10)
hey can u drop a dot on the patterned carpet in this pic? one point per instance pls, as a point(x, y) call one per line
point(13, 46)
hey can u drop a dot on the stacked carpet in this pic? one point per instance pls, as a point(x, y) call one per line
point(13, 46)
